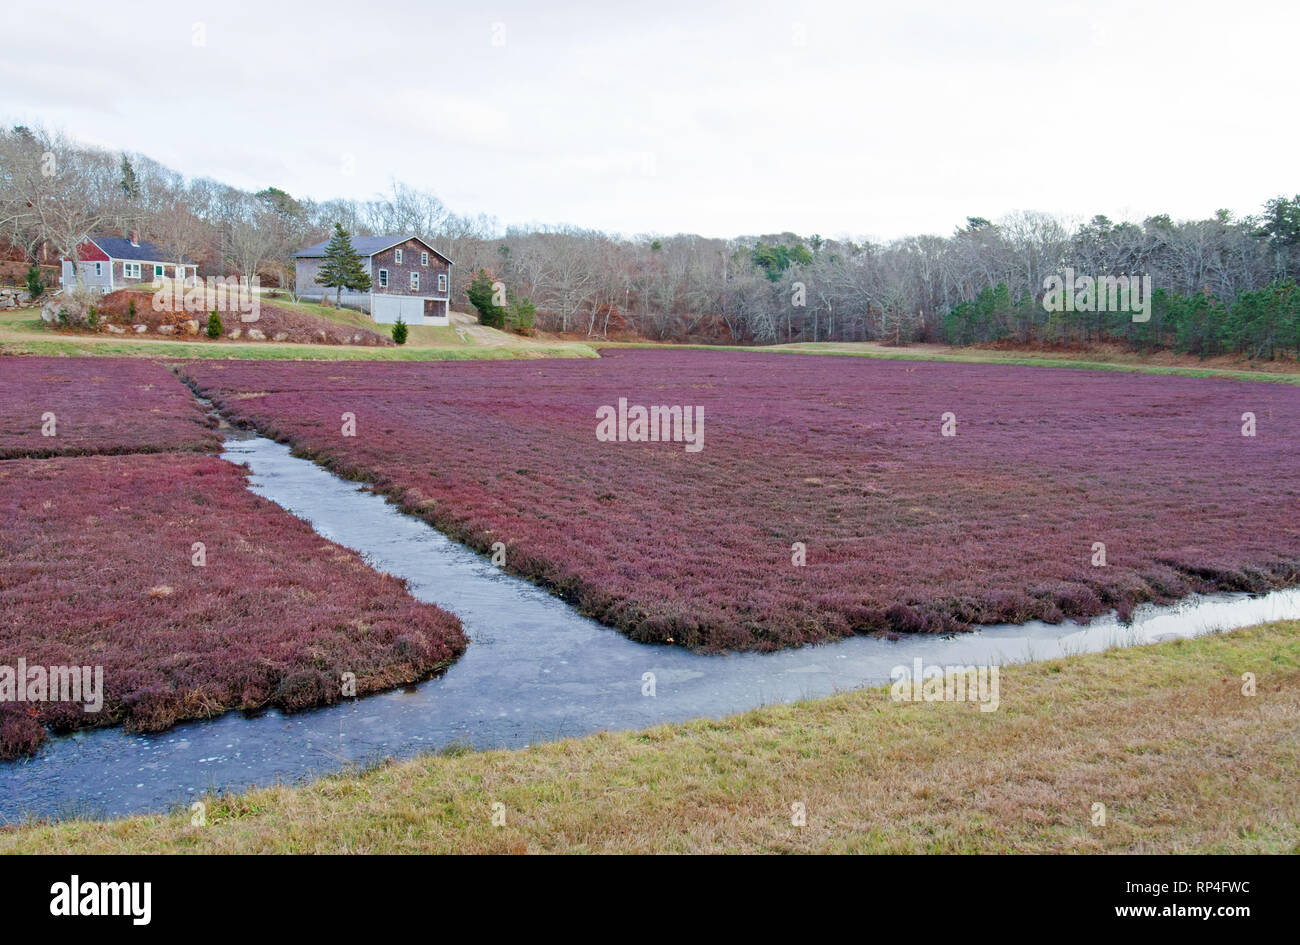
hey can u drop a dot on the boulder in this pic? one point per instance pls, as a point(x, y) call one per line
point(280, 336)
point(139, 329)
point(255, 334)
point(116, 329)
point(234, 335)
point(191, 326)
point(166, 329)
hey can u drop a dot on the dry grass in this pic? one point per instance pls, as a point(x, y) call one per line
point(1161, 735)
point(23, 333)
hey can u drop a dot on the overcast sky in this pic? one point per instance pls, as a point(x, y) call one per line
point(715, 118)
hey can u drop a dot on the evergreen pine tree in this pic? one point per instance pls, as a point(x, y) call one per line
point(342, 267)
point(480, 294)
point(130, 184)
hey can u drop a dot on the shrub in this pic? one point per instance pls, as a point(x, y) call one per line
point(481, 295)
point(399, 331)
point(214, 325)
point(34, 285)
point(92, 316)
point(130, 309)
point(521, 315)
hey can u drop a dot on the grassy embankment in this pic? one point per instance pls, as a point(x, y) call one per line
point(23, 332)
point(1161, 735)
point(1110, 359)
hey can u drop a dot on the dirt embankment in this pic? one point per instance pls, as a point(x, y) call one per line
point(135, 313)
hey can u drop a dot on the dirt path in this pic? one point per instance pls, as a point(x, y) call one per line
point(471, 332)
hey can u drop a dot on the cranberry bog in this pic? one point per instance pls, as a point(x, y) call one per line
point(173, 590)
point(825, 496)
point(75, 406)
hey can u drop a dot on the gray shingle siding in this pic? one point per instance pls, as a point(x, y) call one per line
point(308, 262)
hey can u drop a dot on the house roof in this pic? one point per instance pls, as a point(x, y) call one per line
point(368, 246)
point(119, 247)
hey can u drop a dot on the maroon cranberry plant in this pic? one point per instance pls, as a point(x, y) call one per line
point(191, 594)
point(77, 406)
point(1063, 493)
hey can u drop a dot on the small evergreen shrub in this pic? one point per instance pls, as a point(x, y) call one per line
point(34, 285)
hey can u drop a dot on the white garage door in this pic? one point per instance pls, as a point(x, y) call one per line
point(388, 307)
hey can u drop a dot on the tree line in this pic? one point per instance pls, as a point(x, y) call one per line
point(1224, 284)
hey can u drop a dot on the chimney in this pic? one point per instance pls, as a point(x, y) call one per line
point(134, 237)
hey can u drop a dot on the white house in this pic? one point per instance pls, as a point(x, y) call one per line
point(115, 262)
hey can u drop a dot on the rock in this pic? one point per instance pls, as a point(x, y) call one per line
point(256, 334)
point(140, 329)
point(191, 326)
point(166, 329)
point(280, 336)
point(234, 335)
point(115, 329)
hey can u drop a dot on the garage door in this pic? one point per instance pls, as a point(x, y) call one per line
point(388, 307)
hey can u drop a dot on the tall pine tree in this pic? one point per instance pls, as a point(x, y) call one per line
point(342, 267)
point(130, 184)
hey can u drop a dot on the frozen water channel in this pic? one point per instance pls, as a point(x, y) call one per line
point(535, 670)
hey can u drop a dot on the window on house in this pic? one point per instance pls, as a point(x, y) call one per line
point(99, 269)
point(397, 256)
point(157, 270)
point(383, 278)
point(131, 270)
point(442, 282)
point(424, 259)
point(415, 281)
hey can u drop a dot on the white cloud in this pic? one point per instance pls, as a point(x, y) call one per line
point(752, 117)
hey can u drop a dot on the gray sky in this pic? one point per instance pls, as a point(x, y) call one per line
point(716, 118)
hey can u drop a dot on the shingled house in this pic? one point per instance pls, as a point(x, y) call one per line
point(114, 262)
point(408, 277)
